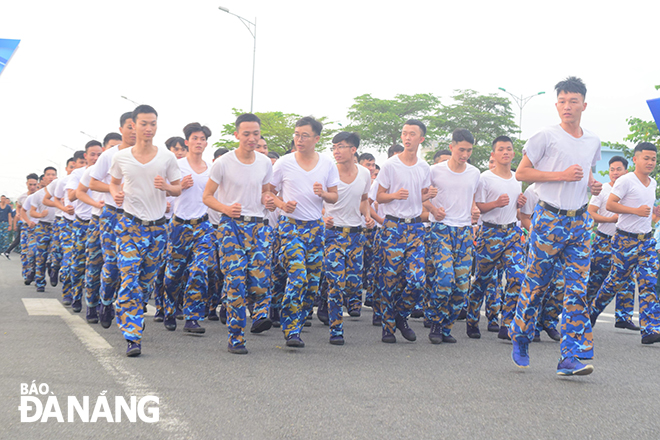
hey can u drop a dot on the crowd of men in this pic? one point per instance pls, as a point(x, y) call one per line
point(254, 233)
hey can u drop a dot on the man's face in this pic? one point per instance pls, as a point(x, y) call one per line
point(32, 185)
point(343, 152)
point(128, 132)
point(273, 160)
point(248, 135)
point(92, 154)
point(262, 147)
point(79, 163)
point(111, 143)
point(617, 170)
point(370, 165)
point(442, 158)
point(503, 152)
point(197, 142)
point(179, 150)
point(570, 107)
point(70, 166)
point(491, 162)
point(411, 136)
point(305, 139)
point(3, 200)
point(146, 126)
point(375, 174)
point(461, 151)
point(645, 161)
point(49, 176)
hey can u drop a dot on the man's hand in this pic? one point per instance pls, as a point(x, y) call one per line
point(573, 173)
point(31, 224)
point(119, 198)
point(438, 213)
point(290, 207)
point(318, 189)
point(370, 222)
point(402, 194)
point(233, 211)
point(595, 187)
point(501, 201)
point(268, 201)
point(187, 182)
point(329, 222)
point(476, 214)
point(433, 191)
point(159, 183)
point(521, 200)
point(643, 211)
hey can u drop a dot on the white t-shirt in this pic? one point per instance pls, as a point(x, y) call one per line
point(95, 195)
point(38, 203)
point(395, 175)
point(82, 210)
point(27, 205)
point(59, 190)
point(296, 184)
point(101, 172)
point(455, 193)
point(242, 183)
point(346, 212)
point(141, 198)
point(634, 194)
point(491, 187)
point(552, 149)
point(189, 204)
point(600, 201)
point(532, 200)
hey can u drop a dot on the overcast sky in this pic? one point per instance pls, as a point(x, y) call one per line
point(193, 62)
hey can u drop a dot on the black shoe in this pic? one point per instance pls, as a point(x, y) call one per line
point(435, 336)
point(448, 339)
point(417, 313)
point(406, 331)
point(134, 349)
point(651, 338)
point(213, 315)
point(295, 341)
point(106, 316)
point(261, 325)
point(170, 323)
point(552, 333)
point(179, 314)
point(427, 323)
point(237, 350)
point(54, 274)
point(223, 314)
point(593, 318)
point(66, 300)
point(337, 340)
point(308, 322)
point(76, 306)
point(92, 316)
point(367, 302)
point(388, 337)
point(159, 316)
point(462, 316)
point(6, 254)
point(29, 279)
point(628, 325)
point(537, 337)
point(493, 327)
point(503, 334)
point(473, 331)
point(322, 313)
point(192, 326)
point(376, 320)
point(41, 289)
point(274, 316)
point(354, 313)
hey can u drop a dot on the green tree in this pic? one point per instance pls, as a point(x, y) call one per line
point(277, 128)
point(485, 116)
point(379, 121)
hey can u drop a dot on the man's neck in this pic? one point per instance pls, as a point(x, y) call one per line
point(245, 155)
point(456, 166)
point(123, 145)
point(305, 155)
point(502, 170)
point(409, 156)
point(644, 178)
point(194, 158)
point(346, 167)
point(143, 145)
point(572, 128)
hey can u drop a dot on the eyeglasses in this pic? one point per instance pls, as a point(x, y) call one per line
point(304, 136)
point(339, 147)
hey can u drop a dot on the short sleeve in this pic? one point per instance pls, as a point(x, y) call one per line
point(101, 168)
point(216, 172)
point(115, 168)
point(278, 173)
point(597, 200)
point(426, 176)
point(269, 173)
point(384, 179)
point(535, 147)
point(332, 175)
point(620, 187)
point(480, 193)
point(173, 171)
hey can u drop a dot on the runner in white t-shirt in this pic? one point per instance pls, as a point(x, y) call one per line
point(27, 229)
point(145, 171)
point(43, 229)
point(243, 180)
point(634, 253)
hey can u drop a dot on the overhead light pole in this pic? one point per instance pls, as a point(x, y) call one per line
point(252, 28)
point(130, 100)
point(88, 135)
point(521, 101)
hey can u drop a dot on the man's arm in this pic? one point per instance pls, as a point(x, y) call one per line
point(81, 194)
point(209, 200)
point(384, 197)
point(593, 210)
point(98, 186)
point(613, 205)
point(527, 173)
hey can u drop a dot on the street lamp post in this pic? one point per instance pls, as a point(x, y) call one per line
point(130, 100)
point(521, 101)
point(88, 135)
point(252, 28)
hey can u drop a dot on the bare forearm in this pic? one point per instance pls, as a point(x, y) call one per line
point(98, 186)
point(531, 175)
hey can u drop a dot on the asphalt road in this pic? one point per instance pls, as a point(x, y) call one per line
point(364, 389)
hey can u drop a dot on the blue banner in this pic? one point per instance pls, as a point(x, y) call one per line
point(654, 106)
point(7, 49)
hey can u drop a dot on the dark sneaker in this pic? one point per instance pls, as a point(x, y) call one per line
point(239, 349)
point(294, 341)
point(322, 313)
point(134, 349)
point(354, 313)
point(448, 339)
point(54, 274)
point(537, 337)
point(593, 319)
point(66, 300)
point(651, 338)
point(170, 323)
point(388, 337)
point(376, 320)
point(628, 325)
point(106, 316)
point(308, 322)
point(261, 325)
point(435, 336)
point(572, 367)
point(404, 328)
point(493, 327)
point(223, 314)
point(29, 279)
point(367, 302)
point(76, 306)
point(274, 316)
point(179, 314)
point(192, 326)
point(41, 289)
point(337, 340)
point(504, 333)
point(473, 331)
point(427, 323)
point(213, 315)
point(520, 353)
point(552, 333)
point(92, 317)
point(417, 313)
point(462, 315)
point(159, 316)
point(6, 254)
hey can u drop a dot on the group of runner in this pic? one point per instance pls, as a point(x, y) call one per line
point(274, 236)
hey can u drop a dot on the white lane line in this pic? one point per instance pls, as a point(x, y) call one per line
point(115, 365)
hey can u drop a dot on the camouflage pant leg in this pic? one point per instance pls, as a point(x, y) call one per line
point(301, 253)
point(109, 272)
point(490, 247)
point(28, 250)
point(179, 256)
point(377, 274)
point(647, 269)
point(343, 263)
point(625, 302)
point(196, 290)
point(43, 236)
point(5, 238)
point(78, 259)
point(66, 241)
point(216, 278)
point(402, 263)
point(94, 263)
point(368, 258)
point(429, 270)
point(55, 245)
point(553, 301)
point(278, 274)
point(259, 276)
point(139, 253)
point(601, 263)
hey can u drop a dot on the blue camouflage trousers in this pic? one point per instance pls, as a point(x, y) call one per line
point(343, 269)
point(246, 266)
point(66, 242)
point(79, 259)
point(301, 254)
point(633, 256)
point(42, 233)
point(452, 260)
point(216, 277)
point(140, 250)
point(5, 239)
point(28, 250)
point(403, 272)
point(109, 272)
point(94, 263)
point(55, 255)
point(552, 304)
point(567, 238)
point(367, 262)
point(495, 247)
point(189, 251)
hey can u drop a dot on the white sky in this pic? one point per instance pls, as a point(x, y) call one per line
point(193, 62)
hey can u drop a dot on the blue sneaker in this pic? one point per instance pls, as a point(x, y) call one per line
point(520, 353)
point(570, 366)
point(134, 349)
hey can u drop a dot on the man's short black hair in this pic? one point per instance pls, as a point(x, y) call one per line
point(441, 153)
point(377, 167)
point(502, 139)
point(69, 160)
point(394, 149)
point(247, 117)
point(317, 127)
point(195, 127)
point(41, 177)
point(273, 155)
point(350, 138)
point(366, 156)
point(32, 176)
point(111, 137)
point(418, 123)
point(572, 84)
point(79, 155)
point(143, 109)
point(645, 146)
point(462, 135)
point(171, 142)
point(91, 144)
point(50, 168)
point(125, 117)
point(219, 152)
point(621, 159)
